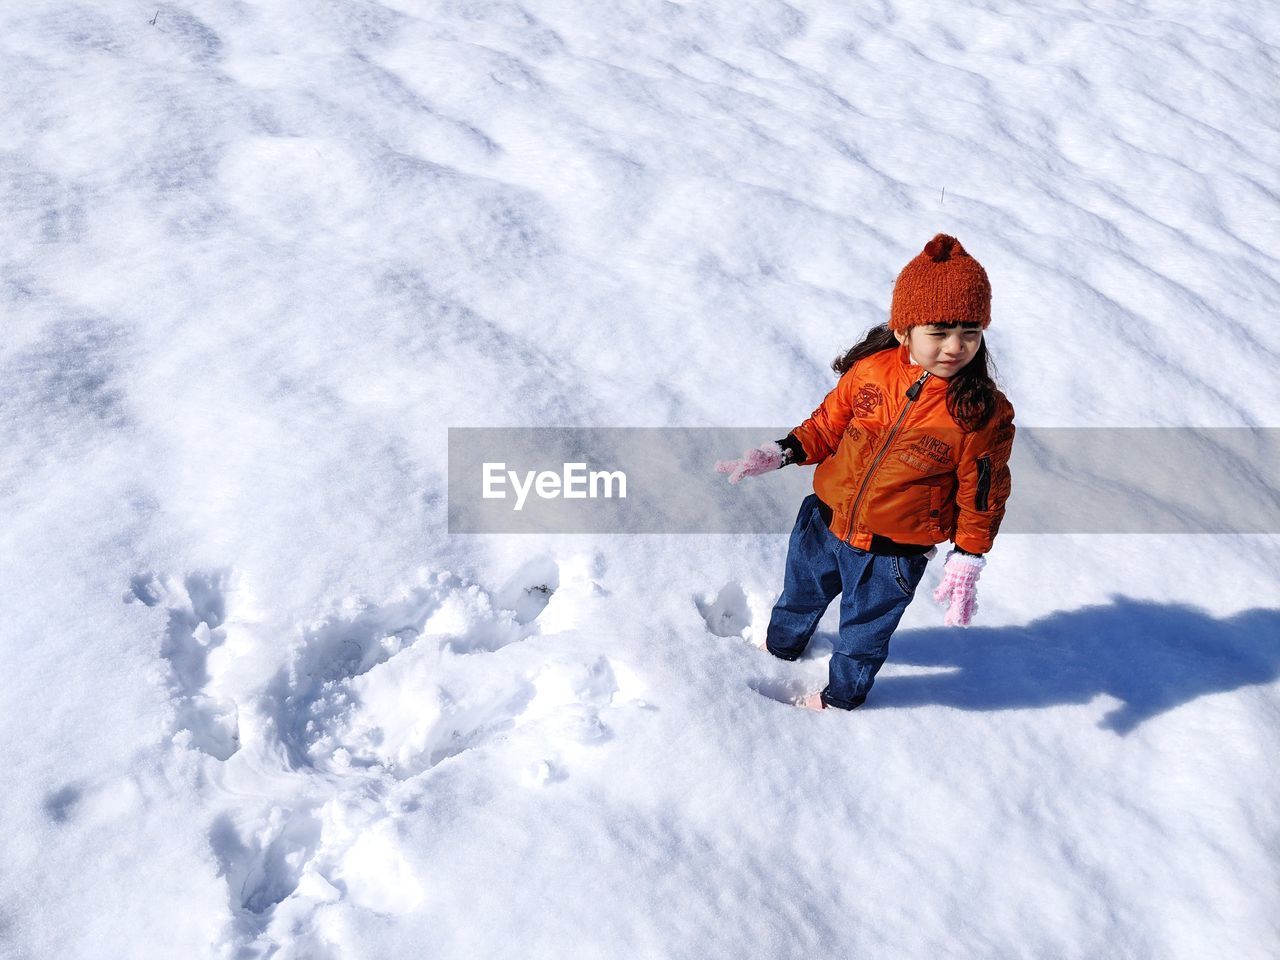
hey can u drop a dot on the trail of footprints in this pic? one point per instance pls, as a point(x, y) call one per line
point(370, 697)
point(312, 735)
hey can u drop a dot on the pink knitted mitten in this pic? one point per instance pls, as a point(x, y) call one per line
point(959, 587)
point(762, 459)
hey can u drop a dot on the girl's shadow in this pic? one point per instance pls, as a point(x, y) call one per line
point(1152, 657)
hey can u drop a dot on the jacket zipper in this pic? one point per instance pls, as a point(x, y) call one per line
point(913, 391)
point(984, 483)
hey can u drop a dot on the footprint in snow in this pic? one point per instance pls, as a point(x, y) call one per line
point(529, 589)
point(262, 862)
point(729, 614)
point(196, 606)
point(783, 691)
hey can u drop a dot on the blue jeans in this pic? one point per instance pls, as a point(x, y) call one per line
point(877, 589)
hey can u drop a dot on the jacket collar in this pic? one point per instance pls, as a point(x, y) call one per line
point(912, 371)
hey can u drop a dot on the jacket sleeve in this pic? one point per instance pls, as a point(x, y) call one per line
point(984, 481)
point(821, 433)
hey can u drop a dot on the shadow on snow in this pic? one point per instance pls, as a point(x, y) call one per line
point(1152, 657)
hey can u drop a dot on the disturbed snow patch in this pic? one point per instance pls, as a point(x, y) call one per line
point(316, 746)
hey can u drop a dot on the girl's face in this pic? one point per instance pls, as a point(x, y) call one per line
point(943, 351)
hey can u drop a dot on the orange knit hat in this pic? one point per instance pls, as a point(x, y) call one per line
point(942, 283)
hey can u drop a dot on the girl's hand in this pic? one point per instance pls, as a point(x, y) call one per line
point(959, 587)
point(762, 459)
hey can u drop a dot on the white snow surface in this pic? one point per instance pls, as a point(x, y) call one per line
point(260, 256)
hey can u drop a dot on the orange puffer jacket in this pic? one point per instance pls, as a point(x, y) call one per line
point(892, 461)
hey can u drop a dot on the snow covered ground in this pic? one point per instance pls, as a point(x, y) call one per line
point(260, 256)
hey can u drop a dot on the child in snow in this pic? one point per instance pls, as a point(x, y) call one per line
point(912, 449)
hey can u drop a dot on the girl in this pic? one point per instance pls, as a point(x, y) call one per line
point(912, 449)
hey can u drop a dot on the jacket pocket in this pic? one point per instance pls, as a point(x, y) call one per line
point(934, 521)
point(984, 484)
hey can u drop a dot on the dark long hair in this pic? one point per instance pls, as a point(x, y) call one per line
point(971, 393)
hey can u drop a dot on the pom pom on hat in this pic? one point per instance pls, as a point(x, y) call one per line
point(942, 284)
point(939, 248)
